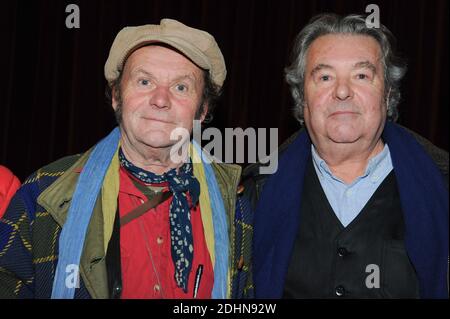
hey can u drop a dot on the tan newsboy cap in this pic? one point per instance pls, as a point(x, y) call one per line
point(197, 45)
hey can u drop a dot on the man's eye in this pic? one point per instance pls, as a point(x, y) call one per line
point(325, 78)
point(144, 82)
point(362, 76)
point(181, 87)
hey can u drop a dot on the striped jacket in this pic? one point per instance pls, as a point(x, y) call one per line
point(31, 226)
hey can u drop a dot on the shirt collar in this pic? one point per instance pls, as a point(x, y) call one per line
point(379, 164)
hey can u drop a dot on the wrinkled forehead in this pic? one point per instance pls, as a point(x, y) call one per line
point(344, 49)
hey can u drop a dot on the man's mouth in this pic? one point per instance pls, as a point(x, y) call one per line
point(337, 113)
point(155, 120)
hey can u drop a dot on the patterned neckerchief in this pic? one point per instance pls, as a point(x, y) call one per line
point(179, 213)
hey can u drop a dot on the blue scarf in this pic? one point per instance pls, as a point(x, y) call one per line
point(423, 196)
point(182, 243)
point(221, 239)
point(73, 234)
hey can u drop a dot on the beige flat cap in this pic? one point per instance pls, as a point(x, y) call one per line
point(197, 45)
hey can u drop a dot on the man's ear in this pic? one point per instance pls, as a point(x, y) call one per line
point(114, 101)
point(205, 111)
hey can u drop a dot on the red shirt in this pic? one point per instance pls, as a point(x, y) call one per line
point(147, 238)
point(9, 184)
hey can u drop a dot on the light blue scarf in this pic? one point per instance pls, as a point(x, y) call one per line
point(73, 234)
point(221, 240)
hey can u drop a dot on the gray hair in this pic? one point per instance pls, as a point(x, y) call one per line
point(323, 24)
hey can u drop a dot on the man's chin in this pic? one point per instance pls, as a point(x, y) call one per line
point(344, 137)
point(157, 140)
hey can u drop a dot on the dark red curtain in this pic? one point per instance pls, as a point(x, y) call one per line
point(52, 86)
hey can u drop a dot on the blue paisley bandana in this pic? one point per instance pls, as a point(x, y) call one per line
point(179, 213)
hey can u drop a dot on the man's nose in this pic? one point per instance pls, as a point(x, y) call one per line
point(160, 97)
point(343, 90)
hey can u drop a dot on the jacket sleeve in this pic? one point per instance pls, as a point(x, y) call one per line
point(16, 261)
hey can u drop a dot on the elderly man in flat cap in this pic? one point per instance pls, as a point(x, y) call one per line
point(124, 219)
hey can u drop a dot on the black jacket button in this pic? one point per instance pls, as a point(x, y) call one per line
point(340, 291)
point(342, 252)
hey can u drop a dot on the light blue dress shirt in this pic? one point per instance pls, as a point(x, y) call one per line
point(347, 200)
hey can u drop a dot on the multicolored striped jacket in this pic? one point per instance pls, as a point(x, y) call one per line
point(31, 226)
